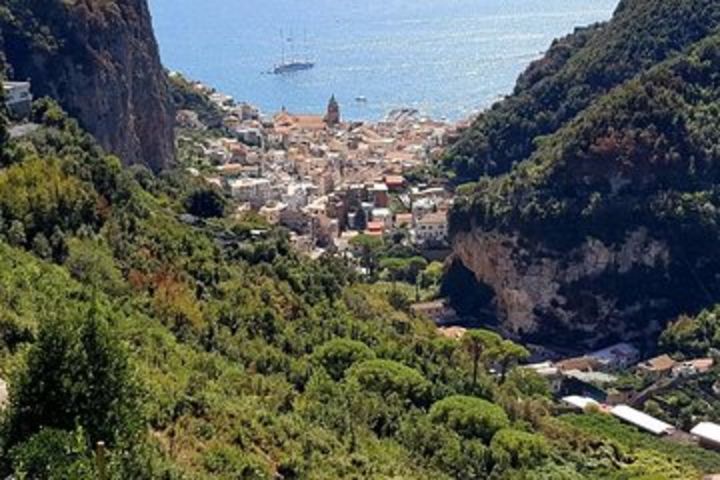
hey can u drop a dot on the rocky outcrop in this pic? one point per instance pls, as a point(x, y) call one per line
point(550, 294)
point(100, 61)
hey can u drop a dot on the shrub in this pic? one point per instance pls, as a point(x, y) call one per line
point(516, 449)
point(470, 416)
point(387, 377)
point(337, 355)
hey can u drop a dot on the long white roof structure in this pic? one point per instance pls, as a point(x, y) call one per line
point(707, 431)
point(641, 420)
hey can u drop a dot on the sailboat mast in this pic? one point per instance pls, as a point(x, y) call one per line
point(282, 47)
point(306, 53)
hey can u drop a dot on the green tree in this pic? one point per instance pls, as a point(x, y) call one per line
point(507, 354)
point(90, 261)
point(53, 454)
point(339, 354)
point(395, 268)
point(77, 375)
point(471, 417)
point(206, 203)
point(41, 246)
point(16, 234)
point(386, 377)
point(517, 449)
point(433, 274)
point(527, 383)
point(476, 342)
point(367, 247)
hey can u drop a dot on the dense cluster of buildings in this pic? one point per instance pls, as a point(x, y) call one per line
point(325, 179)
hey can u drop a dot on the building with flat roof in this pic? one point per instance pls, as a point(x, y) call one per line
point(620, 355)
point(580, 403)
point(658, 365)
point(375, 229)
point(395, 182)
point(431, 229)
point(18, 99)
point(693, 367)
point(383, 215)
point(642, 420)
point(403, 220)
point(708, 433)
point(256, 191)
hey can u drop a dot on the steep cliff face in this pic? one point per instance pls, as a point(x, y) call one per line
point(100, 60)
point(554, 296)
point(610, 227)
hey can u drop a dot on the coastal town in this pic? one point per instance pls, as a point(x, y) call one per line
point(323, 178)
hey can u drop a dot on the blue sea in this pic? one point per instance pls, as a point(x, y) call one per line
point(446, 58)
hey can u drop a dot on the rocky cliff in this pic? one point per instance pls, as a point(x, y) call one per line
point(609, 226)
point(100, 60)
point(557, 297)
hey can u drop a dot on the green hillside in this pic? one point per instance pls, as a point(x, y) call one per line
point(578, 70)
point(638, 153)
point(202, 352)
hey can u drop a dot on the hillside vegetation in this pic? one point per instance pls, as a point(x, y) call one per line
point(201, 352)
point(577, 71)
point(613, 134)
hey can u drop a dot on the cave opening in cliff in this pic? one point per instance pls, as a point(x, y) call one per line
point(473, 300)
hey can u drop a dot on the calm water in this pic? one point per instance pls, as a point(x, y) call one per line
point(447, 58)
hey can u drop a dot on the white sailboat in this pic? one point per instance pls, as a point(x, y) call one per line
point(293, 63)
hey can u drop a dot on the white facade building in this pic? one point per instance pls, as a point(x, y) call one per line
point(431, 228)
point(383, 215)
point(18, 98)
point(256, 191)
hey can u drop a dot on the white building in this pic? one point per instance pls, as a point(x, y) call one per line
point(424, 206)
point(431, 229)
point(299, 194)
point(708, 433)
point(18, 98)
point(642, 420)
point(256, 191)
point(383, 215)
point(580, 403)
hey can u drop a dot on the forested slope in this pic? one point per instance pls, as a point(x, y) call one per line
point(207, 352)
point(607, 229)
point(577, 70)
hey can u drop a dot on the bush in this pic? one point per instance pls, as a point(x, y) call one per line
point(470, 416)
point(53, 455)
point(387, 377)
point(516, 449)
point(337, 355)
point(206, 203)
